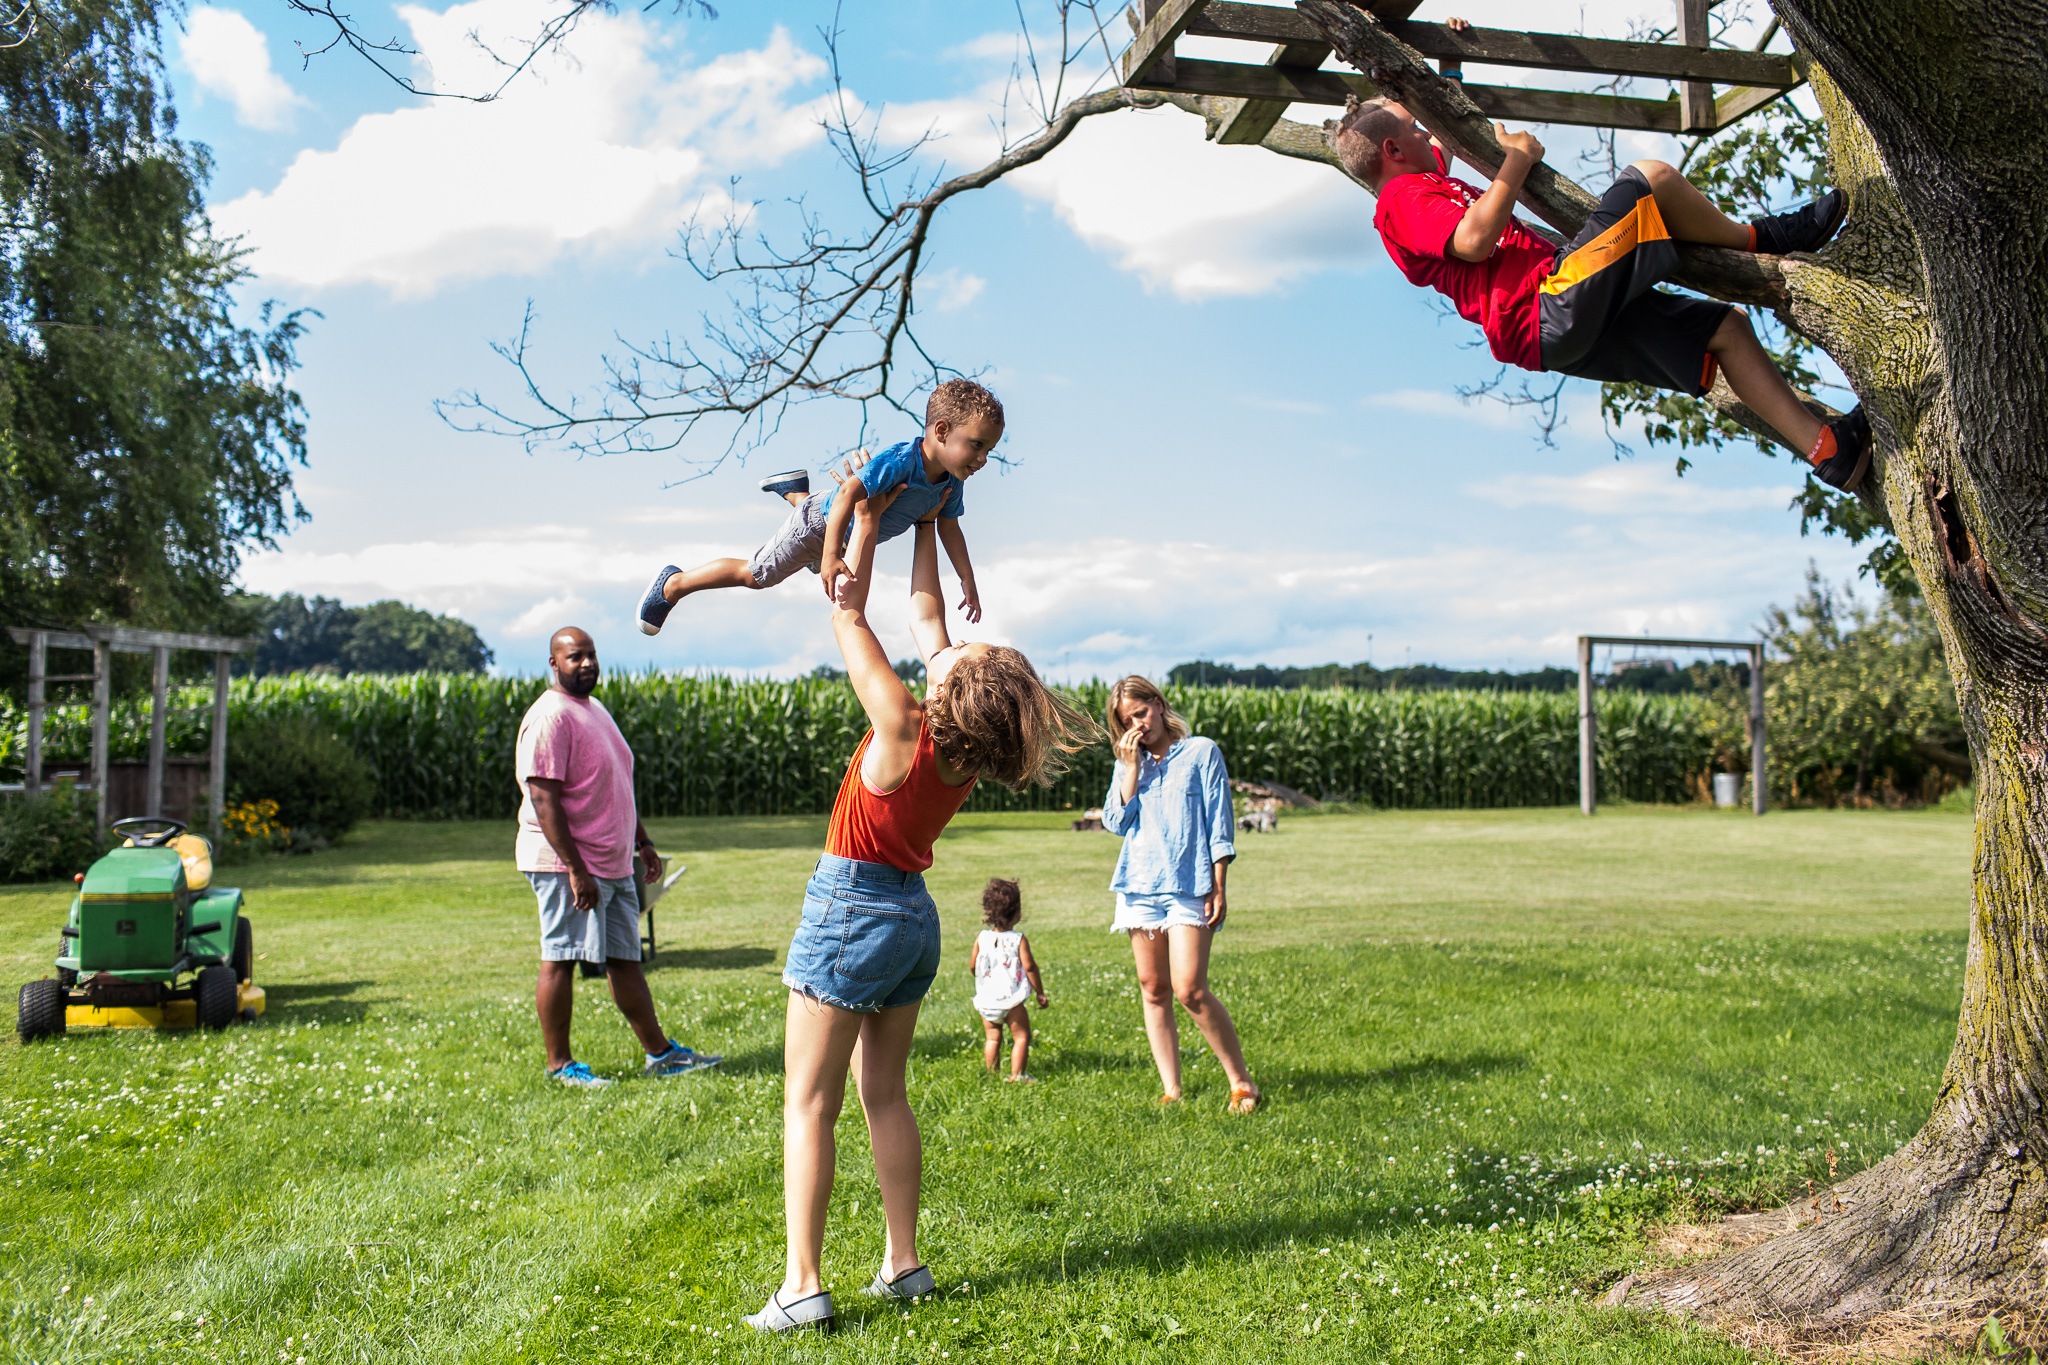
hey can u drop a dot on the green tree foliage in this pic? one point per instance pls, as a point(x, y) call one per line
point(1858, 704)
point(299, 634)
point(1364, 677)
point(43, 838)
point(146, 437)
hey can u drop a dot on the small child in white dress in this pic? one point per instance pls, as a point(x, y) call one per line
point(1005, 976)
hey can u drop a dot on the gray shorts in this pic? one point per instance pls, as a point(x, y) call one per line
point(798, 545)
point(571, 935)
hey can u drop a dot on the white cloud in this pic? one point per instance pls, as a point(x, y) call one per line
point(1629, 550)
point(951, 289)
point(1629, 490)
point(1181, 213)
point(230, 58)
point(608, 142)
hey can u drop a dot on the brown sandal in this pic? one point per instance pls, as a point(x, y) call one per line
point(1243, 1099)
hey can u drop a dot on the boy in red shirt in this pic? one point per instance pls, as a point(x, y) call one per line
point(1590, 308)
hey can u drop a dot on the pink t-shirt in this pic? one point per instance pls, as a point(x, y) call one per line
point(576, 741)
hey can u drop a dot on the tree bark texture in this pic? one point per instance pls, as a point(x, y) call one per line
point(1934, 301)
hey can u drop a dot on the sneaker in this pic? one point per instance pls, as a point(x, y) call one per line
point(654, 608)
point(787, 482)
point(777, 1316)
point(1807, 229)
point(678, 1060)
point(577, 1074)
point(911, 1284)
point(1851, 461)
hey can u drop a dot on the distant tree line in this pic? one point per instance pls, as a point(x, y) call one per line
point(1366, 678)
point(319, 634)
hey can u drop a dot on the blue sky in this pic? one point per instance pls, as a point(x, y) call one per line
point(1234, 430)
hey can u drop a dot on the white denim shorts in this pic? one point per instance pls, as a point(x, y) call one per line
point(1159, 910)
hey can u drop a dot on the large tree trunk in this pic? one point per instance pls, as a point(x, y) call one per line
point(1935, 304)
point(1934, 301)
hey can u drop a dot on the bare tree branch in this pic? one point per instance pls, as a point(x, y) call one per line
point(829, 315)
point(512, 62)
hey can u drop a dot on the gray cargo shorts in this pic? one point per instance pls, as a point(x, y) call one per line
point(798, 545)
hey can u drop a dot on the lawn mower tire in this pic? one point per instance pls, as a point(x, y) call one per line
point(41, 1014)
point(218, 999)
point(244, 958)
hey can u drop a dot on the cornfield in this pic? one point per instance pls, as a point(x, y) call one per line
point(441, 744)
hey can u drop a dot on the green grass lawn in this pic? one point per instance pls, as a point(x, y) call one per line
point(1498, 1046)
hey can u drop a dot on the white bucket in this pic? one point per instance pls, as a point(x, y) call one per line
point(1727, 789)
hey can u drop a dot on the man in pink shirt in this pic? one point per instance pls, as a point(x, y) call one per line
point(578, 833)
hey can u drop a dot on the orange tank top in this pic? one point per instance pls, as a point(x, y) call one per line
point(897, 829)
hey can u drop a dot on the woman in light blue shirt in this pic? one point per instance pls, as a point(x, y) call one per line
point(1170, 800)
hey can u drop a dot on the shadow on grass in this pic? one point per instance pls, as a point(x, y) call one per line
point(321, 1000)
point(710, 959)
point(1403, 1073)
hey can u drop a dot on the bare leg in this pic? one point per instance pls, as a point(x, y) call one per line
point(1155, 988)
point(892, 1129)
point(554, 997)
point(1020, 1041)
point(719, 573)
point(992, 1042)
point(636, 1002)
point(817, 1043)
point(794, 498)
point(1190, 960)
point(1756, 381)
point(1690, 215)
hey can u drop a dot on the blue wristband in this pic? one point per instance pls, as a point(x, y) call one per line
point(1454, 74)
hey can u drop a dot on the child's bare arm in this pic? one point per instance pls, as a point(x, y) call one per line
point(1481, 228)
point(1030, 969)
point(974, 955)
point(831, 564)
point(955, 542)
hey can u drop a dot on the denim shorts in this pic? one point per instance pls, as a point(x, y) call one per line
point(868, 940)
point(1159, 910)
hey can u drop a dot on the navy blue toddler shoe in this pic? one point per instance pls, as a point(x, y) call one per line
point(654, 608)
point(789, 481)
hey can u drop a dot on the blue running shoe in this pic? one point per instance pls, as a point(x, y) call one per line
point(579, 1075)
point(678, 1060)
point(654, 608)
point(789, 481)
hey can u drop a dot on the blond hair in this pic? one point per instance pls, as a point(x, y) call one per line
point(1139, 688)
point(996, 718)
point(1365, 126)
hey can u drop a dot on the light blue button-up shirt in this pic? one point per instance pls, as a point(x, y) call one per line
point(1178, 826)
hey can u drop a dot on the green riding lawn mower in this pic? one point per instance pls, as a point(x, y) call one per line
point(150, 943)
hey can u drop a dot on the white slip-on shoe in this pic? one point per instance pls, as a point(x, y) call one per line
point(777, 1316)
point(911, 1284)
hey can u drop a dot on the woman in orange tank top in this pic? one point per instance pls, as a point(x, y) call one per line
point(867, 947)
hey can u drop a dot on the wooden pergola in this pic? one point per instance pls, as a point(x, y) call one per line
point(102, 642)
point(1290, 71)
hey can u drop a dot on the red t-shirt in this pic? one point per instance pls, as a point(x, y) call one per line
point(1416, 216)
point(896, 828)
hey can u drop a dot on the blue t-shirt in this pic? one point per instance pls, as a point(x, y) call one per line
point(903, 464)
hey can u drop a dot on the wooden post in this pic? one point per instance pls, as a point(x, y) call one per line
point(102, 695)
point(38, 665)
point(217, 783)
point(1759, 779)
point(160, 686)
point(1589, 769)
point(1696, 112)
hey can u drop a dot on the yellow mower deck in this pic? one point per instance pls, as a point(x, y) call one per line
point(170, 1014)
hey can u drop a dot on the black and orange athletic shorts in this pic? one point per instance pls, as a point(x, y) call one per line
point(1600, 314)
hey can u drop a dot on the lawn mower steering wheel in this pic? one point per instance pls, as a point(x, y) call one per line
point(150, 831)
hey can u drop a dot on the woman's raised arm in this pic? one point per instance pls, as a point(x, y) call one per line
point(927, 602)
point(891, 709)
